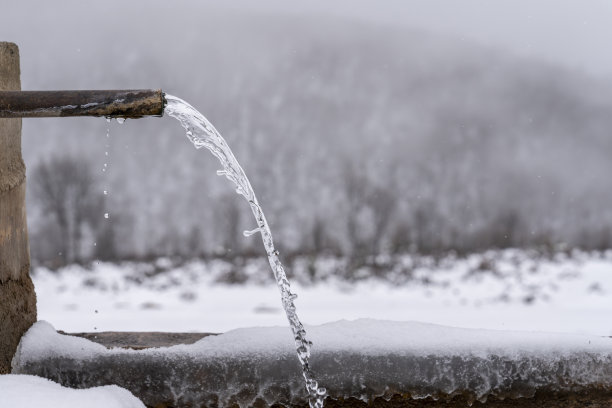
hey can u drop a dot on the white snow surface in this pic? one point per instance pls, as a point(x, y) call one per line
point(28, 391)
point(42, 341)
point(506, 290)
point(366, 337)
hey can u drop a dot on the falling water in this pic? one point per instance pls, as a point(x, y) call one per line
point(203, 134)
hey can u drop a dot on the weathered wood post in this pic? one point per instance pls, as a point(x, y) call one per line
point(17, 297)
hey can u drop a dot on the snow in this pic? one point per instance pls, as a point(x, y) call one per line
point(41, 342)
point(28, 391)
point(384, 351)
point(364, 358)
point(507, 290)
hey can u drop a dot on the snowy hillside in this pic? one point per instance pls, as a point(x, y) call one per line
point(357, 138)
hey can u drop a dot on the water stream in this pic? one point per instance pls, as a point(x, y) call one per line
point(203, 134)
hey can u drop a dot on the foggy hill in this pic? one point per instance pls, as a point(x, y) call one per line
point(357, 138)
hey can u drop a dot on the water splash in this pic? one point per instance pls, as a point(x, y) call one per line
point(203, 134)
point(251, 232)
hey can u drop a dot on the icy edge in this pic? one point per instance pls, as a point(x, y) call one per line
point(364, 359)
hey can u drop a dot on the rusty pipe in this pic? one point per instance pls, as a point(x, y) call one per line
point(112, 104)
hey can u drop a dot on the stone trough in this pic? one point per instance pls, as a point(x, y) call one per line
point(360, 363)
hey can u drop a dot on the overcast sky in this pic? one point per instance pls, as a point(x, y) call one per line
point(574, 33)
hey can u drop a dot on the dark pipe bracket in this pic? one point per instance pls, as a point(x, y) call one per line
point(114, 104)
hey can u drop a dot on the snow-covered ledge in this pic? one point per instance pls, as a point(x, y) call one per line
point(363, 359)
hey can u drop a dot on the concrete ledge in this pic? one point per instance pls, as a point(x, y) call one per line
point(541, 399)
point(384, 364)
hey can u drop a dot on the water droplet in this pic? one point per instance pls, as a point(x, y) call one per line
point(108, 119)
point(105, 192)
point(106, 215)
point(251, 232)
point(120, 120)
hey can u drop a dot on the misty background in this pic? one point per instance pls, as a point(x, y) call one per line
point(365, 128)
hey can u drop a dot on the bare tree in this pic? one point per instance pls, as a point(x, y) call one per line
point(65, 190)
point(229, 224)
point(370, 211)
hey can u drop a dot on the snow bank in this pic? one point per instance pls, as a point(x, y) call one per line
point(363, 358)
point(498, 290)
point(28, 391)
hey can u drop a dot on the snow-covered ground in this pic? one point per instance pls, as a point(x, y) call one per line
point(28, 391)
point(510, 290)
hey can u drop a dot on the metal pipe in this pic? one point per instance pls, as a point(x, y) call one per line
point(113, 104)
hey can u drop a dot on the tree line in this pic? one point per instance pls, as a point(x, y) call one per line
point(370, 143)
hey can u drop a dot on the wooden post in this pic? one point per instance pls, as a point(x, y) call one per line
point(17, 297)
